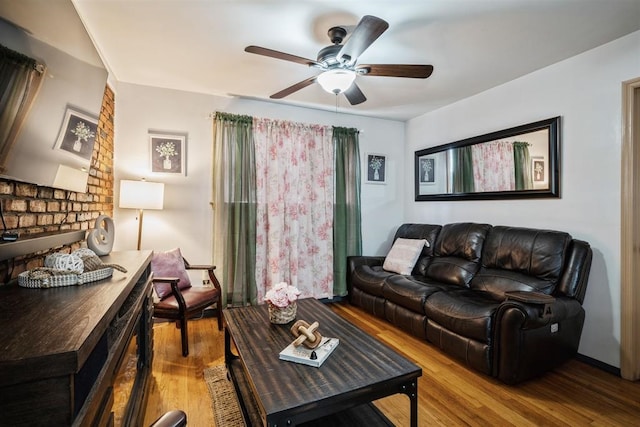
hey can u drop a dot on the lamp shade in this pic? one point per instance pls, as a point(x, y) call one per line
point(141, 194)
point(336, 81)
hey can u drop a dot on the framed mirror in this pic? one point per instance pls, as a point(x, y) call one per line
point(517, 163)
point(52, 126)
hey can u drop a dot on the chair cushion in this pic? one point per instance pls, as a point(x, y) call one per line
point(195, 298)
point(169, 264)
point(403, 255)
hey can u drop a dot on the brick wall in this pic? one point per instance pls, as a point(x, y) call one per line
point(32, 210)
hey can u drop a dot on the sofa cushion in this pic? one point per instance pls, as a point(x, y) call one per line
point(457, 253)
point(370, 279)
point(468, 313)
point(408, 292)
point(521, 259)
point(403, 255)
point(429, 232)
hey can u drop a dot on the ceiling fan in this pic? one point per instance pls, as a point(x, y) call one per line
point(338, 62)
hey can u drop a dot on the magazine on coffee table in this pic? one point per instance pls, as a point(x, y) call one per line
point(307, 356)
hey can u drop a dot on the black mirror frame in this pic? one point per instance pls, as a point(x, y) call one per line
point(552, 125)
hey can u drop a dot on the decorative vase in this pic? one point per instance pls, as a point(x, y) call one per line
point(77, 145)
point(282, 315)
point(166, 164)
point(376, 175)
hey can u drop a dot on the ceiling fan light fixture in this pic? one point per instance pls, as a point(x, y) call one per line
point(336, 81)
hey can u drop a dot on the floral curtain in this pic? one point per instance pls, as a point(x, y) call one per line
point(294, 222)
point(234, 201)
point(347, 233)
point(20, 80)
point(493, 166)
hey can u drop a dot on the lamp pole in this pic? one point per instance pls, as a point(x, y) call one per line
point(140, 216)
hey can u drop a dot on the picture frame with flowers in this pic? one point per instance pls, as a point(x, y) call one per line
point(376, 170)
point(167, 152)
point(78, 133)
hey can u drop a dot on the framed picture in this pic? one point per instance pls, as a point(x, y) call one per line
point(78, 133)
point(376, 168)
point(167, 153)
point(538, 169)
point(427, 169)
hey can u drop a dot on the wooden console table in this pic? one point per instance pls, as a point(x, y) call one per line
point(60, 348)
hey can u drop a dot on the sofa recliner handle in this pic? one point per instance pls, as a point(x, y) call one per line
point(537, 298)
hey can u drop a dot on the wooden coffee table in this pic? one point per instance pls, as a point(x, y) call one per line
point(277, 393)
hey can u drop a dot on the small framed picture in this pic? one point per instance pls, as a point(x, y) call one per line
point(376, 172)
point(78, 133)
point(538, 169)
point(427, 169)
point(167, 153)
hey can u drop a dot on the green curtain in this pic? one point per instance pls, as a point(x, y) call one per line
point(234, 190)
point(522, 165)
point(20, 81)
point(462, 166)
point(347, 228)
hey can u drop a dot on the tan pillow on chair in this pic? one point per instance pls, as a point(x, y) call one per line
point(403, 255)
point(169, 264)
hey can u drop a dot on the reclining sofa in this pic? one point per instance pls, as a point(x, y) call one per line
point(506, 301)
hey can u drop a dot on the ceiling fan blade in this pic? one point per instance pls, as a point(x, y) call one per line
point(396, 70)
point(294, 88)
point(367, 31)
point(354, 95)
point(280, 55)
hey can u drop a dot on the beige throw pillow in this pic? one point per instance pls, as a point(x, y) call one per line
point(403, 255)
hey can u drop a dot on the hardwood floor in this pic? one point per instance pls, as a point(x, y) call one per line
point(449, 394)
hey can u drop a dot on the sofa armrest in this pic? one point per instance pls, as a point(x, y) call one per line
point(543, 301)
point(529, 342)
point(538, 311)
point(530, 297)
point(356, 261)
point(371, 261)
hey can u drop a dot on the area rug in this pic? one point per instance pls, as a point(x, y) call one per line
point(224, 402)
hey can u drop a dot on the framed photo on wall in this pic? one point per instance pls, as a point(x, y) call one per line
point(167, 153)
point(78, 133)
point(376, 172)
point(427, 170)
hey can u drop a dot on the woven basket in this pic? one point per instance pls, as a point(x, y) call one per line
point(63, 280)
point(280, 315)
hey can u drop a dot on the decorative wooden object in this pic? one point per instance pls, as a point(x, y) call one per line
point(306, 334)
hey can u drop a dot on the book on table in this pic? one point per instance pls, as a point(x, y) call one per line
point(310, 356)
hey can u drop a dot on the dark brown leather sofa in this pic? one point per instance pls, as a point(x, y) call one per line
point(506, 301)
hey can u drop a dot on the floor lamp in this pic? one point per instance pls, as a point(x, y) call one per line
point(141, 195)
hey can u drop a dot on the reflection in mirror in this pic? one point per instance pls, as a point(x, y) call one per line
point(520, 162)
point(50, 140)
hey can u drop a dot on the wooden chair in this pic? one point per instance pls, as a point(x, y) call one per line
point(185, 302)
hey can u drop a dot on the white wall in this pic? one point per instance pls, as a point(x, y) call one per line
point(586, 91)
point(186, 220)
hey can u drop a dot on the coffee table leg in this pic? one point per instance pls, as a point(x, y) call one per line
point(228, 354)
point(411, 390)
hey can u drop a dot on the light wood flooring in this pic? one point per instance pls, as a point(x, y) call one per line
point(449, 394)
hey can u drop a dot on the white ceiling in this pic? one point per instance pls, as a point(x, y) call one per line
point(198, 45)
